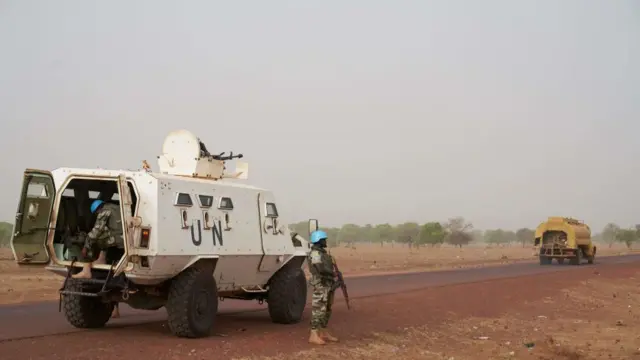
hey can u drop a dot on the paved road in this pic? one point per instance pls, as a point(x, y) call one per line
point(42, 319)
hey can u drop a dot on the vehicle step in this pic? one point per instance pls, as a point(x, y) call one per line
point(69, 292)
point(88, 281)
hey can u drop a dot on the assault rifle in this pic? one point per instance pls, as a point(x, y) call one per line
point(340, 283)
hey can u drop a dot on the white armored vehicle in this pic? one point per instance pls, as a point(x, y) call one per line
point(192, 235)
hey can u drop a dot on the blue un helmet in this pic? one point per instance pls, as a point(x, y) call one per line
point(95, 204)
point(317, 236)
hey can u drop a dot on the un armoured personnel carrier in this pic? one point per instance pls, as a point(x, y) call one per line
point(561, 238)
point(192, 235)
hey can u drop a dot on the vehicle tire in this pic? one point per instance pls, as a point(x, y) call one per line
point(545, 260)
point(560, 261)
point(85, 312)
point(192, 303)
point(591, 259)
point(287, 295)
point(577, 260)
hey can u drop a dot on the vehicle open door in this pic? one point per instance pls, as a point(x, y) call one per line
point(130, 223)
point(32, 223)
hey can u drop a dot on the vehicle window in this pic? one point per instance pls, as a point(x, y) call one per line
point(205, 200)
point(225, 204)
point(184, 200)
point(272, 211)
point(37, 190)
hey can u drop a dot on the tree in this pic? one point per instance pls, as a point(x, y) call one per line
point(609, 233)
point(408, 233)
point(525, 236)
point(458, 231)
point(349, 233)
point(383, 233)
point(432, 233)
point(332, 234)
point(510, 237)
point(458, 224)
point(367, 233)
point(627, 236)
point(495, 237)
point(477, 235)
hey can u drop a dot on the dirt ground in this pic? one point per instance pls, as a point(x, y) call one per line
point(588, 312)
point(595, 319)
point(27, 285)
point(369, 259)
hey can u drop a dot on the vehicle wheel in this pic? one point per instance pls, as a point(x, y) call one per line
point(577, 260)
point(287, 295)
point(560, 261)
point(192, 303)
point(591, 259)
point(85, 312)
point(545, 260)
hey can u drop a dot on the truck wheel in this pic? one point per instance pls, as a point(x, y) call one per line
point(577, 260)
point(287, 295)
point(545, 260)
point(85, 312)
point(591, 259)
point(192, 303)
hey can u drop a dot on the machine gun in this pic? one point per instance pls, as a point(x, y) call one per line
point(205, 152)
point(340, 283)
point(228, 157)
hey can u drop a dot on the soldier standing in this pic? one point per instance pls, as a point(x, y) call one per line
point(107, 232)
point(322, 279)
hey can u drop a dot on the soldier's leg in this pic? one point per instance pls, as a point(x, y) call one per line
point(318, 308)
point(330, 299)
point(116, 310)
point(87, 260)
point(105, 245)
point(102, 257)
point(327, 315)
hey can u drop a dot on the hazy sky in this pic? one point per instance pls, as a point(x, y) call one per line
point(504, 112)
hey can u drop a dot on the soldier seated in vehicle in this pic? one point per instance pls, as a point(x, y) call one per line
point(106, 233)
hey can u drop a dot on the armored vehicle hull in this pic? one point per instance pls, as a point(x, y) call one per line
point(189, 239)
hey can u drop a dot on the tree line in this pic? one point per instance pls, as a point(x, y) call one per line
point(456, 232)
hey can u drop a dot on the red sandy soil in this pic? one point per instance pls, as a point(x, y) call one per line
point(586, 313)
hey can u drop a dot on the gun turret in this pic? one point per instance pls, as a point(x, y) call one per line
point(185, 154)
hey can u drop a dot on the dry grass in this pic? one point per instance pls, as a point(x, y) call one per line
point(24, 285)
point(369, 259)
point(594, 320)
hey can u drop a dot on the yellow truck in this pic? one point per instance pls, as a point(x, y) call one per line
point(561, 238)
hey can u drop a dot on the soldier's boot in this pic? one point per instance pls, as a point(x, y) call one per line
point(116, 312)
point(85, 273)
point(327, 336)
point(315, 338)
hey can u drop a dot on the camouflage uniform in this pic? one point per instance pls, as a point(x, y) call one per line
point(106, 232)
point(322, 280)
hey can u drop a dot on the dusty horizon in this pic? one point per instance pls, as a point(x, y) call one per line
point(503, 113)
